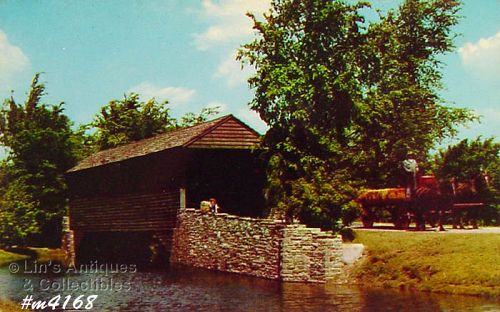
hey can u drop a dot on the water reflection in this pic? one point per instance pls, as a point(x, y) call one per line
point(187, 289)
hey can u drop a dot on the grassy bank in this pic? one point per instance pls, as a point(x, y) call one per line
point(8, 257)
point(39, 254)
point(439, 262)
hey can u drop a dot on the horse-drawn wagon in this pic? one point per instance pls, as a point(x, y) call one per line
point(395, 200)
point(430, 201)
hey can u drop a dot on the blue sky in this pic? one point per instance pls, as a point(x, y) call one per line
point(93, 51)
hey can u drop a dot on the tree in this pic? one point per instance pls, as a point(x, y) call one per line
point(19, 215)
point(327, 81)
point(129, 119)
point(402, 80)
point(38, 137)
point(306, 90)
point(123, 121)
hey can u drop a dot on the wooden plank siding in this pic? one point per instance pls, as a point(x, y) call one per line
point(229, 134)
point(134, 212)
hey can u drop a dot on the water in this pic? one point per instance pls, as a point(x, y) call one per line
point(186, 289)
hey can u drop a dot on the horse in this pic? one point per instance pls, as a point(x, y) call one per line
point(430, 203)
point(467, 199)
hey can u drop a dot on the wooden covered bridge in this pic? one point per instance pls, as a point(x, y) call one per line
point(124, 199)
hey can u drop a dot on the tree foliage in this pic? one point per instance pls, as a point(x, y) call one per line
point(126, 120)
point(401, 81)
point(129, 119)
point(38, 137)
point(468, 158)
point(19, 215)
point(346, 99)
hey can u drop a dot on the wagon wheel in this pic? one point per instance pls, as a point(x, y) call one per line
point(400, 218)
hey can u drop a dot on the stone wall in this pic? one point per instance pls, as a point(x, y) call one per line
point(259, 247)
point(68, 242)
point(310, 255)
point(227, 243)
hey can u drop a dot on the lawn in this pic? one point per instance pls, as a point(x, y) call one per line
point(439, 262)
point(8, 257)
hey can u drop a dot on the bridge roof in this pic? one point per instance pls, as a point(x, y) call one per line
point(226, 132)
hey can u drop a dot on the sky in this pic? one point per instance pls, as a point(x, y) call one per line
point(91, 52)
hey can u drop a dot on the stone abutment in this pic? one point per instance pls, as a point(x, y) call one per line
point(259, 247)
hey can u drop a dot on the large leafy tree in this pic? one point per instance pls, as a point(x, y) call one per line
point(346, 99)
point(19, 214)
point(130, 119)
point(402, 110)
point(467, 159)
point(40, 149)
point(306, 90)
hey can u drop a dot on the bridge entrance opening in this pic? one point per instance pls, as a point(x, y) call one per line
point(142, 249)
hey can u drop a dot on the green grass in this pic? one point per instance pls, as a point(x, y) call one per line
point(447, 263)
point(8, 257)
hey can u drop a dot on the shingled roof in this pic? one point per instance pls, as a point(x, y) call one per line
point(224, 132)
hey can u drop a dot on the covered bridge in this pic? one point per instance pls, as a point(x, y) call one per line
point(131, 194)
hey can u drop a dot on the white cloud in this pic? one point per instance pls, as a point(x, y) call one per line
point(482, 57)
point(228, 28)
point(252, 118)
point(175, 95)
point(12, 60)
point(222, 106)
point(230, 23)
point(230, 70)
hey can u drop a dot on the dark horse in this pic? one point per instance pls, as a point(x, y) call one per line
point(467, 199)
point(430, 203)
point(433, 200)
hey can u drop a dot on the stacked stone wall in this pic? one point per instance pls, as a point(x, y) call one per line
point(227, 243)
point(258, 247)
point(310, 255)
point(68, 242)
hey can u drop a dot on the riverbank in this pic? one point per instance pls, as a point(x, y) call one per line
point(8, 257)
point(40, 254)
point(453, 263)
point(8, 306)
